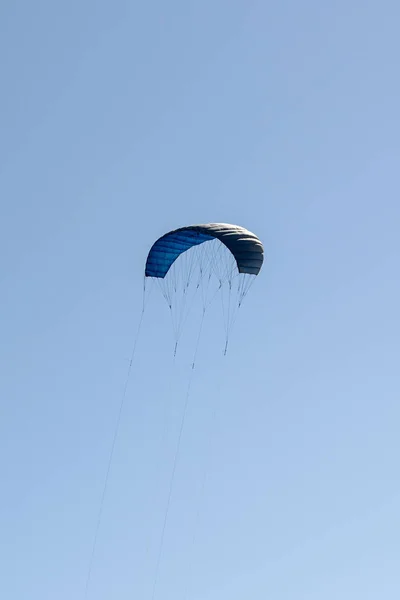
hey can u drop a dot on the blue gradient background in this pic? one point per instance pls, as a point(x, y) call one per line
point(120, 121)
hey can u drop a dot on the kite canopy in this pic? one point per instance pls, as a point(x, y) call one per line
point(246, 248)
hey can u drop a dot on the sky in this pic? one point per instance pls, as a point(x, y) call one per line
point(120, 121)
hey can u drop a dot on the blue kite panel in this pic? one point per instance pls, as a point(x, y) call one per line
point(168, 248)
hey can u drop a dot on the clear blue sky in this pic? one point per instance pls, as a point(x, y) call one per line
point(122, 120)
